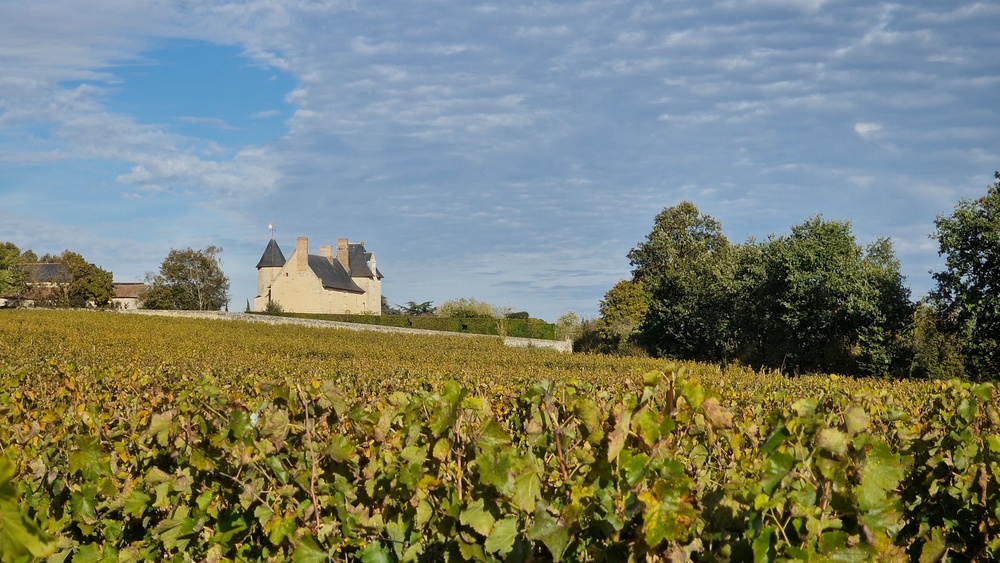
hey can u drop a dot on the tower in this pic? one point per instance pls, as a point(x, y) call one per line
point(268, 267)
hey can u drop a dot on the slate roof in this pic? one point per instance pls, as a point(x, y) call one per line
point(332, 274)
point(272, 257)
point(47, 272)
point(358, 259)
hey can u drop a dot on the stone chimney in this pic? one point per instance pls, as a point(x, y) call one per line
point(343, 253)
point(302, 254)
point(326, 251)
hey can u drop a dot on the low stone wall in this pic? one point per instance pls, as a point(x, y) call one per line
point(565, 346)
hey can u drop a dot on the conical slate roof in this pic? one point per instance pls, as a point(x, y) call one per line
point(272, 257)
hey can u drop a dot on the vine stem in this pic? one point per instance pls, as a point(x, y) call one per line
point(312, 461)
point(459, 453)
point(246, 487)
point(557, 429)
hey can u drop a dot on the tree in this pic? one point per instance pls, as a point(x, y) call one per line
point(417, 309)
point(968, 289)
point(623, 311)
point(388, 309)
point(568, 326)
point(465, 308)
point(11, 273)
point(825, 303)
point(937, 351)
point(89, 284)
point(687, 266)
point(189, 280)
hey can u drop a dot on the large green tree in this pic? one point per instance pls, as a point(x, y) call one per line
point(826, 303)
point(189, 280)
point(968, 289)
point(89, 284)
point(687, 265)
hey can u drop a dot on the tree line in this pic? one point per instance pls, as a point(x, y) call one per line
point(188, 279)
point(73, 282)
point(812, 300)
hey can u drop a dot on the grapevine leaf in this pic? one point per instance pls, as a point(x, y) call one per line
point(493, 436)
point(934, 548)
point(501, 540)
point(856, 419)
point(274, 462)
point(373, 553)
point(527, 488)
point(983, 392)
point(832, 440)
point(136, 503)
point(647, 424)
point(308, 551)
point(424, 512)
point(775, 469)
point(994, 442)
point(616, 440)
point(239, 425)
point(89, 553)
point(18, 536)
point(550, 532)
point(88, 459)
point(635, 468)
point(281, 528)
point(84, 504)
point(6, 475)
point(832, 541)
point(331, 396)
point(494, 470)
point(805, 407)
point(275, 427)
point(777, 438)
point(590, 415)
point(693, 393)
point(669, 514)
point(716, 414)
point(340, 448)
point(477, 518)
point(880, 473)
point(762, 545)
point(967, 409)
point(263, 514)
point(159, 426)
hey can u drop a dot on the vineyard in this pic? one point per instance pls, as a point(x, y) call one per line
point(133, 438)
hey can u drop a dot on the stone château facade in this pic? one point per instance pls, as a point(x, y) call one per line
point(341, 280)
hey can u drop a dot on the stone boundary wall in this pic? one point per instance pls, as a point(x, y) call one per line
point(564, 346)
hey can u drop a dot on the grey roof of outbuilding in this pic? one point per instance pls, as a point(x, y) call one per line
point(332, 274)
point(272, 257)
point(47, 272)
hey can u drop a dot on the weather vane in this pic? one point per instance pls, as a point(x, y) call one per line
point(270, 227)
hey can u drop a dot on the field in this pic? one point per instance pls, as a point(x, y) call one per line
point(130, 438)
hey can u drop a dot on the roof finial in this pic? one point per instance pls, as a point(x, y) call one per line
point(270, 227)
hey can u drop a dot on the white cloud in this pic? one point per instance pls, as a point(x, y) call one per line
point(867, 130)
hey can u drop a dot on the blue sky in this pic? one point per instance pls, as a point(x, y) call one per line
point(508, 151)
